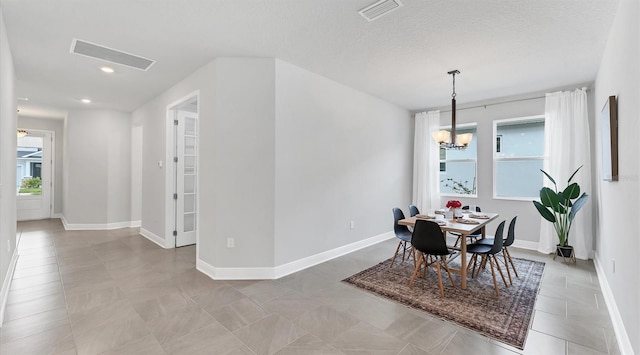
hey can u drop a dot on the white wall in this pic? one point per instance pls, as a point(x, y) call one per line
point(8, 163)
point(237, 156)
point(617, 202)
point(278, 143)
point(341, 156)
point(97, 169)
point(56, 126)
point(136, 175)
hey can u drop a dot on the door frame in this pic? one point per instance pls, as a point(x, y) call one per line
point(52, 167)
point(170, 212)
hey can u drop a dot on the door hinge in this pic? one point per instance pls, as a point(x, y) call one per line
point(175, 233)
point(175, 159)
point(175, 196)
point(175, 122)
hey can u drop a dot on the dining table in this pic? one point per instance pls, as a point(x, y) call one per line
point(464, 228)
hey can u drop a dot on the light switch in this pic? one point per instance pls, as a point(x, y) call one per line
point(160, 164)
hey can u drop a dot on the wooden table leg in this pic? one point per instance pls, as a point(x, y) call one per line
point(463, 262)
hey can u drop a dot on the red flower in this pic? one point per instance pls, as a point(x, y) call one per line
point(454, 204)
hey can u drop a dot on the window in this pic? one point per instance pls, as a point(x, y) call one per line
point(518, 157)
point(458, 167)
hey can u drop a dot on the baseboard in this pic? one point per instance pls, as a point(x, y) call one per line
point(266, 273)
point(301, 264)
point(97, 226)
point(235, 273)
point(624, 343)
point(153, 237)
point(525, 244)
point(135, 224)
point(6, 285)
point(57, 215)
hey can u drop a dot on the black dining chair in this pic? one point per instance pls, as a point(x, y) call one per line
point(511, 236)
point(473, 236)
point(431, 248)
point(404, 234)
point(488, 253)
point(413, 210)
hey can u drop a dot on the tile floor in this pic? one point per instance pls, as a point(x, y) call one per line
point(114, 292)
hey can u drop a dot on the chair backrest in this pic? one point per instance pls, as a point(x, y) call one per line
point(413, 210)
point(497, 239)
point(477, 208)
point(398, 228)
point(428, 238)
point(511, 234)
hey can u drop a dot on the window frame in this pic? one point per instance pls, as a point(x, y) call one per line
point(496, 159)
point(475, 161)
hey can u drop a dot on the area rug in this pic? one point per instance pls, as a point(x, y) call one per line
point(505, 318)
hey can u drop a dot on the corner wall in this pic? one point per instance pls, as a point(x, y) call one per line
point(341, 156)
point(97, 170)
point(617, 202)
point(8, 107)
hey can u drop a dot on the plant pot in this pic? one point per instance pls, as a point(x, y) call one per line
point(565, 251)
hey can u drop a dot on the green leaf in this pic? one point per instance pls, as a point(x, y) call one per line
point(572, 191)
point(544, 212)
point(577, 206)
point(548, 176)
point(549, 198)
point(572, 175)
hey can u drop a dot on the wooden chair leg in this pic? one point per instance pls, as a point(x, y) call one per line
point(395, 254)
point(439, 279)
point(511, 262)
point(416, 269)
point(446, 267)
point(499, 270)
point(493, 274)
point(506, 265)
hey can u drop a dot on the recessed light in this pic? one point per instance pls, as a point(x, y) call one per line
point(23, 99)
point(107, 69)
point(86, 101)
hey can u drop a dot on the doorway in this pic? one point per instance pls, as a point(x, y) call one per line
point(183, 117)
point(34, 175)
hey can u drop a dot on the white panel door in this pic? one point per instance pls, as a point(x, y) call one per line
point(186, 177)
point(34, 152)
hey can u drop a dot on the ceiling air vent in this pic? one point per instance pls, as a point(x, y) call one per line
point(93, 50)
point(379, 9)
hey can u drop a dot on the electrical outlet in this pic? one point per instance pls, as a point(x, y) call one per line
point(352, 224)
point(230, 242)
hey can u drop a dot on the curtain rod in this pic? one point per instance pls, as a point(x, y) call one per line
point(495, 103)
point(500, 103)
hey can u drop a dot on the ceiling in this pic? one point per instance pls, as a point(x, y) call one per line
point(502, 47)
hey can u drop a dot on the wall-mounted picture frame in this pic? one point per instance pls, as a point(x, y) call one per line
point(609, 129)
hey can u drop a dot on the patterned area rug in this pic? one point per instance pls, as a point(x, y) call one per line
point(505, 318)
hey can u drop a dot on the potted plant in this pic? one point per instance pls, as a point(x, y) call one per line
point(560, 208)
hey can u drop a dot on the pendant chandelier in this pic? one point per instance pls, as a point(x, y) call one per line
point(449, 140)
point(21, 133)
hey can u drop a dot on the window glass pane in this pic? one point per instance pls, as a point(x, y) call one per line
point(520, 139)
point(459, 178)
point(29, 165)
point(189, 222)
point(520, 178)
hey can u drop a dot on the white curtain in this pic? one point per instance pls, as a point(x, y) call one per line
point(426, 162)
point(567, 146)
